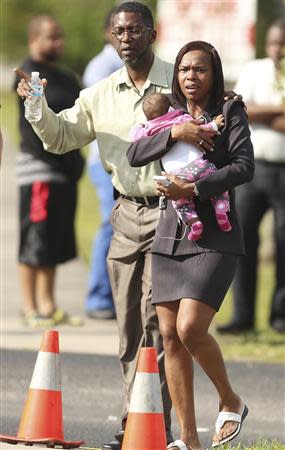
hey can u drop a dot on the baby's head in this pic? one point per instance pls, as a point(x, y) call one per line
point(155, 105)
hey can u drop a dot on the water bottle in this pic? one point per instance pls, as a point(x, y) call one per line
point(33, 105)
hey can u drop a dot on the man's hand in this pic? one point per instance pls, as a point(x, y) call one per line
point(191, 133)
point(24, 88)
point(232, 95)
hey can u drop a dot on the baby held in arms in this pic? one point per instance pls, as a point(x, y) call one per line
point(184, 160)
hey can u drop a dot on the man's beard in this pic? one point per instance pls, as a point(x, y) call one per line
point(137, 62)
point(51, 56)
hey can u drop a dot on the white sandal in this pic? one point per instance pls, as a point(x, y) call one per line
point(224, 417)
point(179, 444)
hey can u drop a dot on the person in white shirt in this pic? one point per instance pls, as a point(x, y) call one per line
point(262, 85)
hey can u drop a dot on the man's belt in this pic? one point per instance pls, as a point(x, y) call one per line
point(147, 201)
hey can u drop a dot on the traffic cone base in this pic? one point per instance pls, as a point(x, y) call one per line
point(49, 442)
point(42, 420)
point(145, 432)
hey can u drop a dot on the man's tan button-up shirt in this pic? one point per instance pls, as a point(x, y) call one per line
point(107, 111)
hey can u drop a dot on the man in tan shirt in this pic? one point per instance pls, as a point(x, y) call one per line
point(107, 111)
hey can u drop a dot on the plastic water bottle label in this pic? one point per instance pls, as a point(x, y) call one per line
point(37, 90)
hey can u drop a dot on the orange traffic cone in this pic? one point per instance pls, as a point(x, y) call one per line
point(145, 427)
point(41, 420)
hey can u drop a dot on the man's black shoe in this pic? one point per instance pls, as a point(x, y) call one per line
point(278, 325)
point(112, 445)
point(234, 328)
point(116, 444)
point(120, 436)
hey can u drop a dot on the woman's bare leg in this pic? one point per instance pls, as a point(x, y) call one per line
point(193, 321)
point(179, 373)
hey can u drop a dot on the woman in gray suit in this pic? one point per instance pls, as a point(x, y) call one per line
point(191, 278)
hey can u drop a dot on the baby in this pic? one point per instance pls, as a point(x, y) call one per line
point(184, 160)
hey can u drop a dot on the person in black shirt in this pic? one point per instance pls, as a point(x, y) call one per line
point(48, 184)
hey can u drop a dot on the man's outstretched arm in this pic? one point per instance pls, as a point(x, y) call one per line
point(70, 129)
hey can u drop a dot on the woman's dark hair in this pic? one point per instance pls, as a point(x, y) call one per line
point(217, 95)
point(137, 8)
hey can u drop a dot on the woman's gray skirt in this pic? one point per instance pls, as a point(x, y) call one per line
point(205, 277)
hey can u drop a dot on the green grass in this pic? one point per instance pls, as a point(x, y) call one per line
point(263, 345)
point(260, 445)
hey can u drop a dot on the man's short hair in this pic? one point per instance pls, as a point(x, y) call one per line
point(36, 23)
point(137, 8)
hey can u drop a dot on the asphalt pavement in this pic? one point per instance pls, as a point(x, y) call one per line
point(90, 370)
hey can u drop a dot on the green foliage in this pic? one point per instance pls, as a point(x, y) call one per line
point(82, 21)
